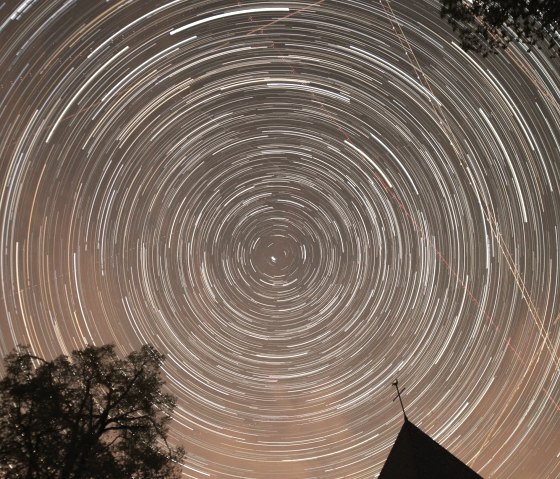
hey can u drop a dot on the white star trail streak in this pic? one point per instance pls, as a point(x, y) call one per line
point(296, 202)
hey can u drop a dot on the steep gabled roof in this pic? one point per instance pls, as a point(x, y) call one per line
point(415, 455)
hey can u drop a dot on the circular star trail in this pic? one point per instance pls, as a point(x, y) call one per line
point(297, 203)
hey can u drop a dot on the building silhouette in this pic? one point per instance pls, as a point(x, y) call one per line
point(415, 455)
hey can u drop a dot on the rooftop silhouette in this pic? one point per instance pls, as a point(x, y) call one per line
point(415, 455)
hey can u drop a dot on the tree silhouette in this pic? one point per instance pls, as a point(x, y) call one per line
point(486, 25)
point(89, 416)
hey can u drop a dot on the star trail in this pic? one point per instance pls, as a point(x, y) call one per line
point(296, 202)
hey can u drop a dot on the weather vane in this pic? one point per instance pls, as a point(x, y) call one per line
point(396, 384)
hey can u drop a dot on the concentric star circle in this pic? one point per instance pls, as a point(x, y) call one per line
point(297, 203)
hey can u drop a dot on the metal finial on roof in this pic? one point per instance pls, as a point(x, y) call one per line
point(396, 384)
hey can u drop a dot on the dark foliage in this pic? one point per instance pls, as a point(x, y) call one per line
point(487, 25)
point(89, 416)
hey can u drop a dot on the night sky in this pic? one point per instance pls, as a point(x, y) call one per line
point(297, 203)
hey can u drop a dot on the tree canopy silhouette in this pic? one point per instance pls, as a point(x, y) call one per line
point(486, 25)
point(87, 416)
